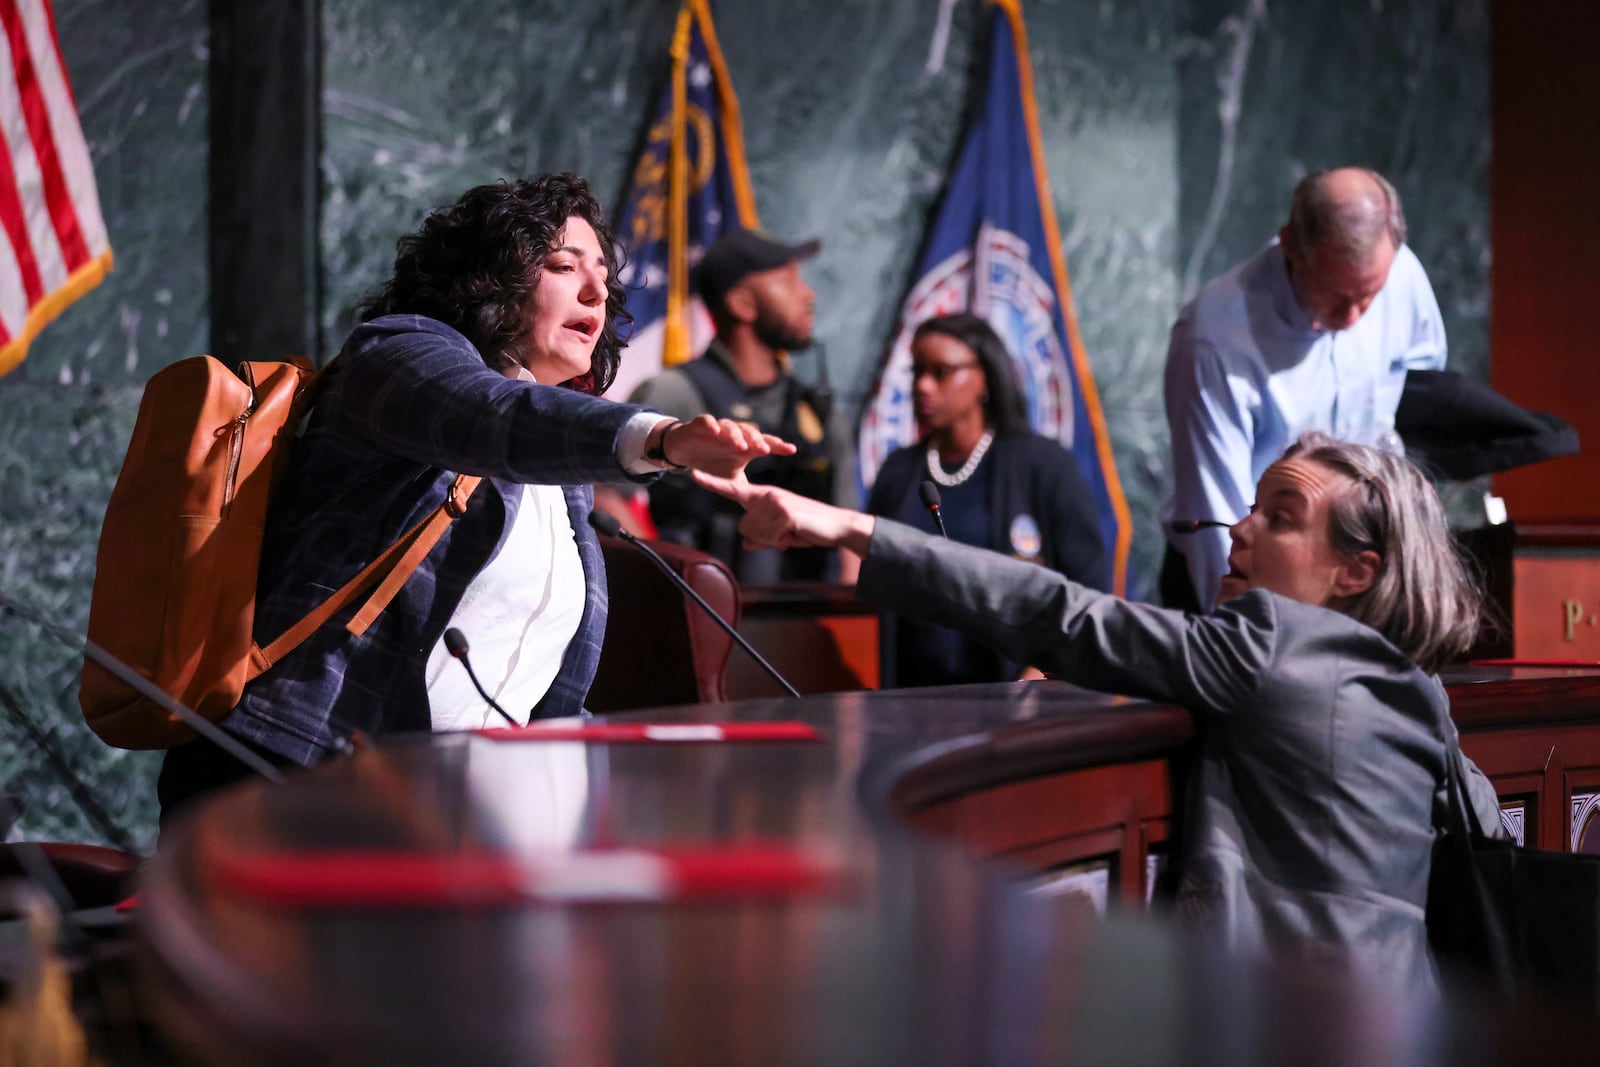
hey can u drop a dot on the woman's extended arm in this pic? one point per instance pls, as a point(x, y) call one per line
point(717, 446)
point(415, 388)
point(1026, 612)
point(777, 518)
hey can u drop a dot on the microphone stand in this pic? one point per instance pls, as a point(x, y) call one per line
point(608, 525)
point(1189, 526)
point(930, 500)
point(86, 800)
point(455, 643)
point(822, 388)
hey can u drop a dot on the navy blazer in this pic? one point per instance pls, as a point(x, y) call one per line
point(1032, 476)
point(1320, 777)
point(408, 406)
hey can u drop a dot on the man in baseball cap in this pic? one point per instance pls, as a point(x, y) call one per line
point(738, 254)
point(763, 310)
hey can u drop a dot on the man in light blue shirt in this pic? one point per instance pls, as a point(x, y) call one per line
point(1314, 332)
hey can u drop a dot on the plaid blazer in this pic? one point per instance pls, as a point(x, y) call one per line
point(410, 404)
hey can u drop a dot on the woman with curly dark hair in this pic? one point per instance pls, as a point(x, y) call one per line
point(482, 356)
point(1001, 487)
point(474, 266)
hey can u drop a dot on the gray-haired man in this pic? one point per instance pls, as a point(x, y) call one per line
point(1314, 332)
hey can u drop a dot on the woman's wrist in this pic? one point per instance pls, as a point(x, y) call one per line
point(656, 445)
point(858, 533)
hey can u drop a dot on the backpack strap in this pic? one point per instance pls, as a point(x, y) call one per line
point(431, 529)
point(394, 566)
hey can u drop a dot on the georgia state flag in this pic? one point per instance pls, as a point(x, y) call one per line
point(689, 184)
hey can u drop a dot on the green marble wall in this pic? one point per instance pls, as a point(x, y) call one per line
point(852, 117)
point(139, 76)
point(1402, 88)
point(1174, 130)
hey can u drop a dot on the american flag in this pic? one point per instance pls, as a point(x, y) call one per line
point(53, 245)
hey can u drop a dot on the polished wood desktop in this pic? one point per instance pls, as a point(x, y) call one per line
point(911, 950)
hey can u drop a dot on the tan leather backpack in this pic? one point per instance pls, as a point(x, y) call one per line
point(175, 580)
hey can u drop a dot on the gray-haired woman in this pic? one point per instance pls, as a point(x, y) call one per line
point(1310, 823)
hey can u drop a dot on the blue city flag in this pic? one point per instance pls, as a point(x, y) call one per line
point(689, 184)
point(995, 250)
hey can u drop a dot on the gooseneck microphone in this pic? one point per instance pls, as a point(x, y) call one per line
point(930, 500)
point(38, 869)
point(147, 689)
point(822, 389)
point(607, 524)
point(30, 856)
point(85, 798)
point(455, 643)
point(1188, 526)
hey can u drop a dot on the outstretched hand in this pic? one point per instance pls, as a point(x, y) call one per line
point(720, 446)
point(777, 518)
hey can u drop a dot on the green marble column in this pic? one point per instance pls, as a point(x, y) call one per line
point(139, 76)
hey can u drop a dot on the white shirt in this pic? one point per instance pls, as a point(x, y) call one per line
point(522, 610)
point(519, 614)
point(1246, 375)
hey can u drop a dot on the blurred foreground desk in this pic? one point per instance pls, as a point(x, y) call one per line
point(911, 951)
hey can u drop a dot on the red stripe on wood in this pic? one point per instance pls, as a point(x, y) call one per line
point(327, 879)
point(658, 732)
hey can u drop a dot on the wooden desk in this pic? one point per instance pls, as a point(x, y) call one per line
point(1536, 733)
point(1097, 792)
point(1542, 581)
point(818, 636)
point(1555, 591)
point(922, 955)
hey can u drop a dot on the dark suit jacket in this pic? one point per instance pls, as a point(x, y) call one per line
point(1033, 477)
point(1320, 775)
point(409, 405)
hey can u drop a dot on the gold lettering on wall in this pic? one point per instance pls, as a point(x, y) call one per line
point(1574, 614)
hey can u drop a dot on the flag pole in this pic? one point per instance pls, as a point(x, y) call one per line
point(675, 343)
point(732, 125)
point(1058, 264)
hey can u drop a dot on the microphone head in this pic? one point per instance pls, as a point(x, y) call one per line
point(930, 494)
point(1189, 526)
point(604, 522)
point(455, 642)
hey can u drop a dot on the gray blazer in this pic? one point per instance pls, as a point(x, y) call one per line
point(1310, 822)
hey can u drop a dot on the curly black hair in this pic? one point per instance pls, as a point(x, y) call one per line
point(1005, 405)
point(473, 265)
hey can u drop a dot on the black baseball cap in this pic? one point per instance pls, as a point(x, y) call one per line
point(739, 253)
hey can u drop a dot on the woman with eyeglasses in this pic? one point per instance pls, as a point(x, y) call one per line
point(1000, 485)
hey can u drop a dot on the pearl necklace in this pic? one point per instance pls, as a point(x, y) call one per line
point(950, 481)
